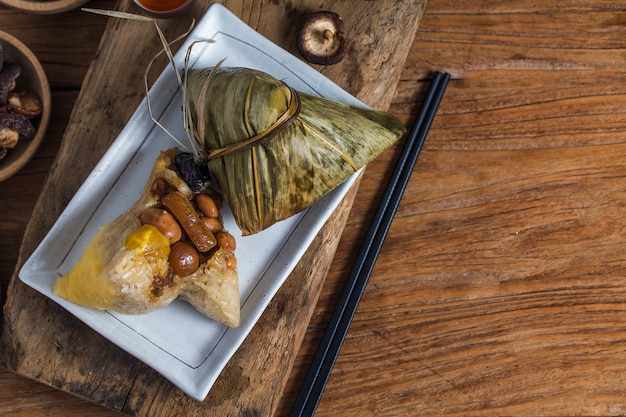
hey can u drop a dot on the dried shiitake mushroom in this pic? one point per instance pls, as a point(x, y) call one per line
point(8, 75)
point(17, 108)
point(24, 102)
point(321, 38)
point(14, 126)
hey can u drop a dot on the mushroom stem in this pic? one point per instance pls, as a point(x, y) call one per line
point(320, 38)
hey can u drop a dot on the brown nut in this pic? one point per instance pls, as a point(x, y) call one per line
point(321, 38)
point(212, 223)
point(26, 103)
point(183, 259)
point(226, 241)
point(164, 222)
point(207, 205)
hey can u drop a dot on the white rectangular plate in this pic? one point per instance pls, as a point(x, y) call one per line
point(184, 346)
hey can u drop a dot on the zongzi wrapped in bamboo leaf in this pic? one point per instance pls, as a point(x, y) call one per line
point(275, 151)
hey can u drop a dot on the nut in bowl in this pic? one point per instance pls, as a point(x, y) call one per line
point(25, 105)
point(43, 6)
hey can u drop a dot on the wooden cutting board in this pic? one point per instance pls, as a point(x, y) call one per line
point(42, 341)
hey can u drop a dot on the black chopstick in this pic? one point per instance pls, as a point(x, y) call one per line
point(319, 371)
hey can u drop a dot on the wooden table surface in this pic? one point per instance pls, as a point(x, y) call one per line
point(501, 287)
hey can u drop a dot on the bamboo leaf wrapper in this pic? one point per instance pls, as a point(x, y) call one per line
point(292, 167)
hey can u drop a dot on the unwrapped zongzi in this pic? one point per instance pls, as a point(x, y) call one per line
point(145, 258)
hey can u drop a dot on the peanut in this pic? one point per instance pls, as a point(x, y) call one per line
point(207, 205)
point(226, 241)
point(213, 224)
point(163, 221)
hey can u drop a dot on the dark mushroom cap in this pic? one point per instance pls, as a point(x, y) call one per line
point(19, 123)
point(321, 38)
point(8, 75)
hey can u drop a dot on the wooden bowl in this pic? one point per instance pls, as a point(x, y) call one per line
point(43, 7)
point(32, 78)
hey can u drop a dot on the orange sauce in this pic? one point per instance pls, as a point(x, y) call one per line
point(162, 5)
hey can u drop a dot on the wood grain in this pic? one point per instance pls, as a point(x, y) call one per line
point(38, 336)
point(500, 289)
point(65, 61)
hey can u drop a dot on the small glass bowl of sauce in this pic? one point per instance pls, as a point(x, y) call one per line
point(163, 8)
